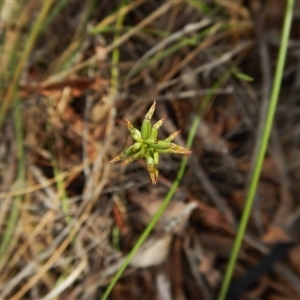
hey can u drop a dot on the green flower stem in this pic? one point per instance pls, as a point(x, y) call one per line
point(261, 153)
point(172, 190)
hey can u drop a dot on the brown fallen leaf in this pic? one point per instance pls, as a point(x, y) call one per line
point(153, 252)
point(274, 235)
point(78, 87)
point(174, 217)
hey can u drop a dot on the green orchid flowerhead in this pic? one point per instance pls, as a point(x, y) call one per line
point(148, 146)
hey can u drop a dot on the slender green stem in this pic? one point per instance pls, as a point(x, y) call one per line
point(172, 190)
point(11, 95)
point(28, 46)
point(116, 54)
point(59, 5)
point(20, 183)
point(183, 42)
point(261, 153)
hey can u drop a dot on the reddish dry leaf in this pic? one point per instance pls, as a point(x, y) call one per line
point(269, 168)
point(206, 267)
point(75, 122)
point(122, 291)
point(238, 199)
point(275, 235)
point(120, 215)
point(231, 122)
point(78, 87)
point(211, 217)
point(219, 244)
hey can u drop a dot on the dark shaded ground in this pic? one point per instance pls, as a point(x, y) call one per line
point(72, 232)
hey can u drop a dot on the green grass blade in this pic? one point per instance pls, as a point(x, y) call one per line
point(54, 13)
point(28, 46)
point(20, 183)
point(116, 52)
point(262, 151)
point(10, 96)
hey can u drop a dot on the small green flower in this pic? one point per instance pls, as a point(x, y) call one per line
point(148, 146)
